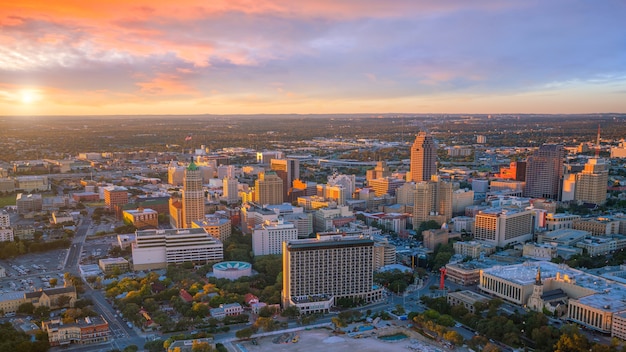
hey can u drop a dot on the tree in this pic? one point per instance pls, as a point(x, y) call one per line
point(571, 340)
point(338, 323)
point(198, 346)
point(53, 282)
point(131, 348)
point(26, 308)
point(244, 333)
point(63, 301)
point(42, 312)
point(454, 337)
point(290, 312)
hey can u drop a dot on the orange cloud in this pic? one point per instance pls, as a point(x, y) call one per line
point(166, 85)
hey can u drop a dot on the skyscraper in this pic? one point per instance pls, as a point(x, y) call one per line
point(544, 172)
point(592, 182)
point(288, 170)
point(230, 190)
point(193, 196)
point(423, 158)
point(432, 201)
point(268, 188)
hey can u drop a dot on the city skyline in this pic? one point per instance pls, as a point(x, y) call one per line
point(272, 57)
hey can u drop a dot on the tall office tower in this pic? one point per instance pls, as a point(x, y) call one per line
point(423, 158)
point(432, 200)
point(423, 202)
point(544, 172)
point(444, 198)
point(230, 190)
point(381, 170)
point(592, 182)
point(288, 170)
point(268, 188)
point(193, 196)
point(318, 271)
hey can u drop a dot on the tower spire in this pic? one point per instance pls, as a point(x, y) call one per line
point(538, 277)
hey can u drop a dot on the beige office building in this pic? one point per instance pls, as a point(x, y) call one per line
point(432, 201)
point(193, 196)
point(599, 226)
point(592, 182)
point(268, 188)
point(219, 228)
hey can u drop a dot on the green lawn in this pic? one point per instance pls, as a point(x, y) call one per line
point(7, 200)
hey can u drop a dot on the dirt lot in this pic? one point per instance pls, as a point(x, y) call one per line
point(324, 340)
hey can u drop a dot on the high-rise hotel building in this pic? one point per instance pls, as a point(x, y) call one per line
point(423, 158)
point(320, 270)
point(193, 196)
point(499, 227)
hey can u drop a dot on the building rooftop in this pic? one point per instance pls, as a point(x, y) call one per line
point(140, 211)
point(337, 241)
point(609, 295)
point(564, 234)
point(118, 260)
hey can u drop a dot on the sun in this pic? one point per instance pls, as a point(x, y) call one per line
point(28, 96)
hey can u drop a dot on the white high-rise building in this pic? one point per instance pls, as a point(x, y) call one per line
point(268, 237)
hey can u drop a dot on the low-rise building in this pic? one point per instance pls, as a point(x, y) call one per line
point(466, 298)
point(27, 203)
point(114, 265)
point(61, 217)
point(189, 345)
point(154, 249)
point(541, 251)
point(141, 218)
point(53, 298)
point(217, 227)
point(473, 249)
point(598, 226)
point(83, 331)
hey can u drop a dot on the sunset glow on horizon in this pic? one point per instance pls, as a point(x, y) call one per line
point(72, 57)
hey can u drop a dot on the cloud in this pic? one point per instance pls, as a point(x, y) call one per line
point(356, 51)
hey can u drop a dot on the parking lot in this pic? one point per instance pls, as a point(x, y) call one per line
point(33, 271)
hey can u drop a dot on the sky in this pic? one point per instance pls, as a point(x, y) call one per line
point(77, 57)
